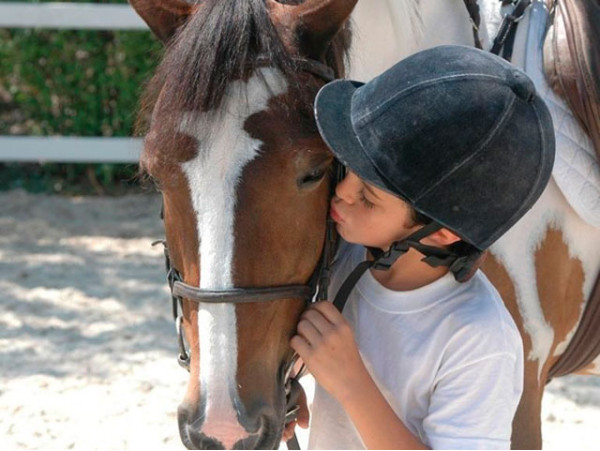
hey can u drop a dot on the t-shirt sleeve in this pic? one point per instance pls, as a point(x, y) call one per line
point(472, 406)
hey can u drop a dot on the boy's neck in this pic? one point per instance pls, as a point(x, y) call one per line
point(408, 273)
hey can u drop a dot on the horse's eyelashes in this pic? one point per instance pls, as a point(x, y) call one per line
point(311, 178)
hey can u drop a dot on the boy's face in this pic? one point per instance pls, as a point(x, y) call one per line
point(367, 215)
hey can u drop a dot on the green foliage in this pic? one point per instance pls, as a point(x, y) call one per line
point(72, 82)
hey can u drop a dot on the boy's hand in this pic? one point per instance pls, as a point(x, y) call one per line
point(302, 418)
point(325, 342)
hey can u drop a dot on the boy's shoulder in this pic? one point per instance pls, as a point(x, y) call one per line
point(479, 324)
point(477, 302)
point(469, 314)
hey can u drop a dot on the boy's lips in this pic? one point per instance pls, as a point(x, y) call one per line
point(335, 215)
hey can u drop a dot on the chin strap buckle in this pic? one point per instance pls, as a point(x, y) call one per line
point(385, 260)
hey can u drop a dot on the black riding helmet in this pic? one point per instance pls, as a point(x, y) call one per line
point(458, 133)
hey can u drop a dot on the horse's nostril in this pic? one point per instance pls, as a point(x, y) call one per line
point(198, 440)
point(254, 418)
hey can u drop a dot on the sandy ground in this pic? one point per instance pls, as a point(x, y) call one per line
point(87, 344)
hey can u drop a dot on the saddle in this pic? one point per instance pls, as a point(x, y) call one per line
point(572, 60)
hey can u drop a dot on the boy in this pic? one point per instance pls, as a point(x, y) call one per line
point(445, 151)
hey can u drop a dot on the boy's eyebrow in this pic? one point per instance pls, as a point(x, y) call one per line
point(371, 191)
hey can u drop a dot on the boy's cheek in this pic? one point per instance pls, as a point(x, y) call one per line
point(352, 235)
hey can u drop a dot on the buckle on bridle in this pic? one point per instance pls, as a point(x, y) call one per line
point(183, 357)
point(385, 260)
point(514, 19)
point(520, 6)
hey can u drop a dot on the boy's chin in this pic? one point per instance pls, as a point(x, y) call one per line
point(349, 238)
point(343, 233)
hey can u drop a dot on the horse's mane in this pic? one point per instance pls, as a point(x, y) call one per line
point(219, 44)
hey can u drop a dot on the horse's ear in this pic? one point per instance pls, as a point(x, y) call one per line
point(163, 16)
point(315, 22)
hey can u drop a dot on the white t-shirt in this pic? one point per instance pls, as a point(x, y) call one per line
point(448, 357)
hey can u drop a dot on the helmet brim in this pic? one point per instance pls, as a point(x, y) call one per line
point(333, 113)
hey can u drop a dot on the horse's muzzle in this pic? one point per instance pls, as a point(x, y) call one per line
point(260, 429)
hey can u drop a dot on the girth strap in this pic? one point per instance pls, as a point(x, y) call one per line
point(508, 29)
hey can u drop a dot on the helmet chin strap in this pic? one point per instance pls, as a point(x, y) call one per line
point(383, 260)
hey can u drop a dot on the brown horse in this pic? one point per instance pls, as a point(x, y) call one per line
point(233, 145)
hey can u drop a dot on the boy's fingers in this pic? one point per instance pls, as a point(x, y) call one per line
point(303, 413)
point(298, 365)
point(300, 345)
point(288, 431)
point(329, 311)
point(308, 331)
point(319, 320)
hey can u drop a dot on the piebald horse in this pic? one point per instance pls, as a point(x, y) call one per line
point(546, 267)
point(233, 145)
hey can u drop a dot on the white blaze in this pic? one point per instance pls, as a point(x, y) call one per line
point(224, 148)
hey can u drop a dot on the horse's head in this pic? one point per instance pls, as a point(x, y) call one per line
point(233, 145)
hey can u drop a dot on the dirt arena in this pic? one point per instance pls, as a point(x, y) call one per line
point(87, 343)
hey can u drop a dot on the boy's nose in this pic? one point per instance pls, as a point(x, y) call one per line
point(345, 190)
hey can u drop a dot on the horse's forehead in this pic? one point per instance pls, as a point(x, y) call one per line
point(216, 136)
point(223, 148)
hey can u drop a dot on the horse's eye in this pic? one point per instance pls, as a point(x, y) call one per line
point(311, 178)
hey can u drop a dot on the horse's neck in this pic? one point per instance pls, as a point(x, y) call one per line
point(386, 31)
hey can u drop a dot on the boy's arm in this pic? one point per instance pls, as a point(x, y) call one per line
point(326, 344)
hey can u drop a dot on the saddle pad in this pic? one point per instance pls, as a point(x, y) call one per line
point(576, 169)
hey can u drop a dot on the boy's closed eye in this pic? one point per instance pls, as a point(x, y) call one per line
point(363, 198)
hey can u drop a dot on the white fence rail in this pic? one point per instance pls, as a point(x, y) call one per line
point(80, 16)
point(69, 149)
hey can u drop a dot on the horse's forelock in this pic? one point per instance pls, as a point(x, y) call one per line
point(220, 43)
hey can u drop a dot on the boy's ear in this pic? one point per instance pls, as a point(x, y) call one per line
point(442, 237)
